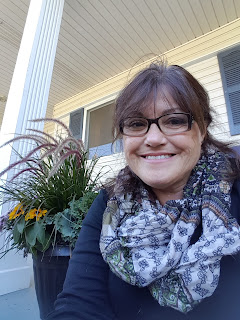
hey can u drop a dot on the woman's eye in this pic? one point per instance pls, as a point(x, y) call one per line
point(175, 121)
point(135, 124)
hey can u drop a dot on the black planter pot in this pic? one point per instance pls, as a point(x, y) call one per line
point(49, 274)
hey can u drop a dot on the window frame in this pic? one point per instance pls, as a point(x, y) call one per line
point(97, 104)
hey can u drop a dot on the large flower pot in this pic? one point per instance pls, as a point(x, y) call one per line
point(49, 274)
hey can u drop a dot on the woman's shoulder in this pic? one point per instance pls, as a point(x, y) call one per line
point(236, 186)
point(235, 200)
point(102, 197)
point(95, 213)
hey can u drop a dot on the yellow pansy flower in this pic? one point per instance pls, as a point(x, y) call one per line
point(41, 213)
point(17, 211)
point(38, 213)
point(31, 214)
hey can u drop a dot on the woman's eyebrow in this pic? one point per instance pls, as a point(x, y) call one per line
point(166, 111)
point(138, 114)
point(171, 110)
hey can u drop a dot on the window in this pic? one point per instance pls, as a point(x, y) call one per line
point(76, 123)
point(100, 131)
point(229, 63)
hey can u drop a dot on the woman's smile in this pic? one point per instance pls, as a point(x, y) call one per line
point(157, 156)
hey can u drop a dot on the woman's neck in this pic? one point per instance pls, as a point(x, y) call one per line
point(164, 195)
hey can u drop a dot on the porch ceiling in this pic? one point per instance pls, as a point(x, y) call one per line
point(101, 38)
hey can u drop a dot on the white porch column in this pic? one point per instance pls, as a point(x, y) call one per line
point(27, 99)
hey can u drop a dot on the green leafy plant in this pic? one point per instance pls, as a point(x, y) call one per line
point(69, 222)
point(50, 191)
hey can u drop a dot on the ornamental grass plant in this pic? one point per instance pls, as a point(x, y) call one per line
point(49, 193)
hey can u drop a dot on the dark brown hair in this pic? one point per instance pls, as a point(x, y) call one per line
point(186, 91)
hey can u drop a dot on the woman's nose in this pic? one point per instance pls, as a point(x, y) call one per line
point(154, 136)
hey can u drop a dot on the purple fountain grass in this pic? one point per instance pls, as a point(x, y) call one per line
point(56, 172)
point(23, 160)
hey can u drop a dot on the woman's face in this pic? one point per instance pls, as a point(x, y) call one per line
point(163, 162)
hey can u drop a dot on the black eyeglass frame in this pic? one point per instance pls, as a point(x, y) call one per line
point(151, 121)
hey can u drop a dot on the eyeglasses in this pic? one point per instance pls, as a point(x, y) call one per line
point(169, 124)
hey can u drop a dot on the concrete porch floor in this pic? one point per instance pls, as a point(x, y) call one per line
point(19, 305)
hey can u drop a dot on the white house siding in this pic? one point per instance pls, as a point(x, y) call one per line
point(199, 56)
point(208, 74)
point(109, 166)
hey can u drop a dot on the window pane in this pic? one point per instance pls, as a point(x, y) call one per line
point(76, 122)
point(100, 131)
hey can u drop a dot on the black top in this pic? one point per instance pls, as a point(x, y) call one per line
point(92, 291)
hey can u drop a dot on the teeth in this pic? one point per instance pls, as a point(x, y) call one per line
point(159, 157)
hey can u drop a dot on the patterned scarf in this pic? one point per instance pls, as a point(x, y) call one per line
point(147, 244)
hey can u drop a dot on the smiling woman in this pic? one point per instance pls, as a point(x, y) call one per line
point(156, 238)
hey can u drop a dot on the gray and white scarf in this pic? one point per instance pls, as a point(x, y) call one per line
point(147, 244)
